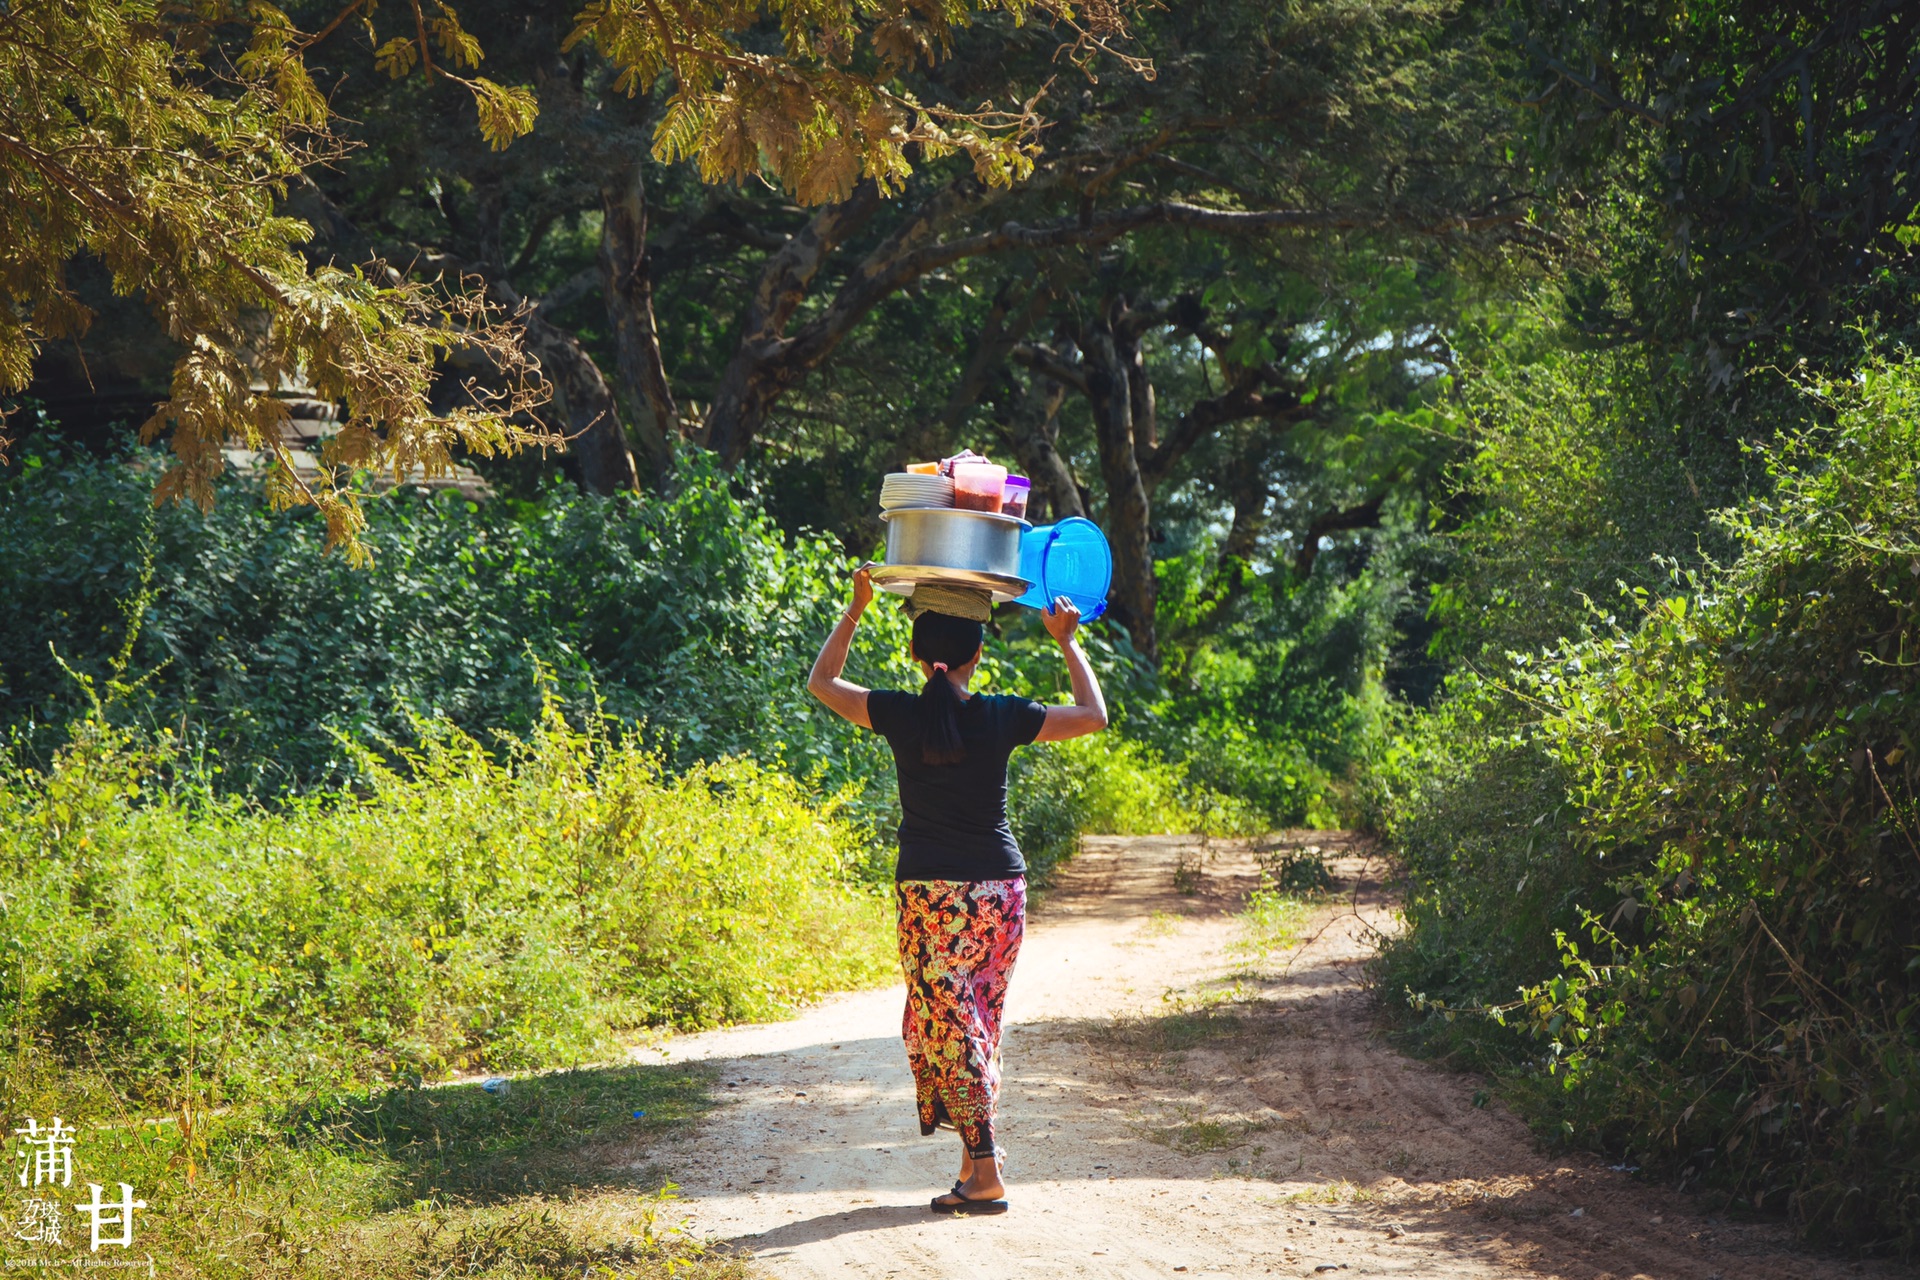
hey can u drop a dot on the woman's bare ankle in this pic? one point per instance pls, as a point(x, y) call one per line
point(986, 1183)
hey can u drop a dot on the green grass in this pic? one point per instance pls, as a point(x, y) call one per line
point(550, 1179)
point(1204, 1134)
point(540, 1137)
point(1271, 920)
point(1178, 1032)
point(466, 915)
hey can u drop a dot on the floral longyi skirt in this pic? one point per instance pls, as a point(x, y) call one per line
point(958, 941)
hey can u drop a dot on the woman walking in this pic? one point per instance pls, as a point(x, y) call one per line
point(960, 890)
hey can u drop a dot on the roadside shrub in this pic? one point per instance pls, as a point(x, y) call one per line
point(690, 612)
point(1734, 781)
point(467, 912)
point(1300, 871)
point(1476, 808)
point(1581, 476)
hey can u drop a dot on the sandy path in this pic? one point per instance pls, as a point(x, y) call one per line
point(1175, 1105)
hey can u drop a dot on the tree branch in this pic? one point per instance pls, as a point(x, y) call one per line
point(1045, 360)
point(1364, 516)
point(787, 273)
point(1594, 89)
point(1007, 323)
point(536, 236)
point(725, 220)
point(1204, 417)
point(568, 291)
point(888, 269)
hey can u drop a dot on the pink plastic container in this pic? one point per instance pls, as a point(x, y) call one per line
point(978, 486)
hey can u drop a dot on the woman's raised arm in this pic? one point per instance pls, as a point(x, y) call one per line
point(1088, 714)
point(844, 698)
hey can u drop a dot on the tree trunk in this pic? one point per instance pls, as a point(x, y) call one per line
point(584, 407)
point(628, 288)
point(764, 365)
point(1111, 365)
point(1364, 516)
point(751, 383)
point(1233, 569)
point(1028, 419)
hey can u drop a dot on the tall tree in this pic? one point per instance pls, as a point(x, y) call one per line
point(157, 138)
point(118, 142)
point(1305, 109)
point(1766, 157)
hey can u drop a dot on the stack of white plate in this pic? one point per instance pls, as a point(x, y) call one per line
point(906, 489)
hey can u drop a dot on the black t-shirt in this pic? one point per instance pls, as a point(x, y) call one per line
point(953, 817)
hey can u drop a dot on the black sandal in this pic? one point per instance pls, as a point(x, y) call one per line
point(967, 1204)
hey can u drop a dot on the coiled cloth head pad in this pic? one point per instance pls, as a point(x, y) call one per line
point(972, 603)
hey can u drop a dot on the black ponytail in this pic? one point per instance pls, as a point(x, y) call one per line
point(949, 642)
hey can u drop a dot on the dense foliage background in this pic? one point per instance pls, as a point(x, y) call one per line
point(1659, 829)
point(1502, 414)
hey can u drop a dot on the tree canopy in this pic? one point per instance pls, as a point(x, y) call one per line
point(117, 141)
point(163, 141)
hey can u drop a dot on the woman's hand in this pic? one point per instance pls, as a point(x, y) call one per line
point(862, 591)
point(1061, 620)
point(1088, 714)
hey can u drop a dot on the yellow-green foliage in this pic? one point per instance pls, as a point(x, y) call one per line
point(1129, 789)
point(463, 914)
point(1689, 841)
point(1271, 920)
point(130, 144)
point(1108, 785)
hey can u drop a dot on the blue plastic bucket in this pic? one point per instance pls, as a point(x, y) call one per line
point(1068, 559)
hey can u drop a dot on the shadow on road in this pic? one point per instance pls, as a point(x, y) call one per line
point(831, 1226)
point(551, 1133)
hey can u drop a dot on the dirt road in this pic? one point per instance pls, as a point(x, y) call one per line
point(1177, 1105)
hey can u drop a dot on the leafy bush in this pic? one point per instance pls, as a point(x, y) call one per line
point(1300, 871)
point(1277, 697)
point(466, 912)
point(1477, 810)
point(1580, 476)
point(1737, 1001)
point(689, 612)
point(691, 615)
point(1107, 785)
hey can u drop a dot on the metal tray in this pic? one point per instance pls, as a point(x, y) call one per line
point(888, 513)
point(901, 579)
